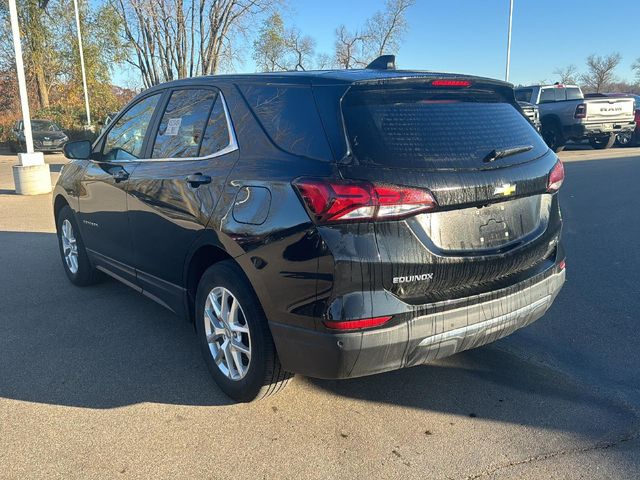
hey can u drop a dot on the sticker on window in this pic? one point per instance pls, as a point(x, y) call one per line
point(173, 126)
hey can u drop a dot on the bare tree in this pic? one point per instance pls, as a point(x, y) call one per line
point(568, 74)
point(324, 61)
point(301, 48)
point(179, 38)
point(382, 33)
point(600, 72)
point(349, 48)
point(384, 30)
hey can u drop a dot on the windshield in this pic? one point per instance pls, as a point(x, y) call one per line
point(44, 126)
point(424, 128)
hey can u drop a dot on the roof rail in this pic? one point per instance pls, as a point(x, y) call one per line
point(383, 62)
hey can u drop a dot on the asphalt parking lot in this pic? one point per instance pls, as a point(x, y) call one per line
point(102, 382)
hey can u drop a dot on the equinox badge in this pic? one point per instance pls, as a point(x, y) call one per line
point(505, 190)
point(413, 278)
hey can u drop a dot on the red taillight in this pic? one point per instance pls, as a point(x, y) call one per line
point(581, 111)
point(562, 265)
point(341, 200)
point(451, 83)
point(356, 324)
point(556, 177)
point(637, 116)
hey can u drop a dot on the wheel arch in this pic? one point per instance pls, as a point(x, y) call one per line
point(198, 261)
point(58, 204)
point(550, 118)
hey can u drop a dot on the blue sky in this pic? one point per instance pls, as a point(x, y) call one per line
point(469, 36)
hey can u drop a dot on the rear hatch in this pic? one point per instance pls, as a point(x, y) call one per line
point(609, 110)
point(467, 143)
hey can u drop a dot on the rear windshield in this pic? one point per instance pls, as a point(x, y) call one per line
point(422, 128)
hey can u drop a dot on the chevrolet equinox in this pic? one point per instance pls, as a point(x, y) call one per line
point(330, 223)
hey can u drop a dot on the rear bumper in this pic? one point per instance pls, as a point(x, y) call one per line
point(433, 332)
point(580, 130)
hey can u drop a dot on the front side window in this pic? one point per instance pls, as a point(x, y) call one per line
point(125, 140)
point(185, 125)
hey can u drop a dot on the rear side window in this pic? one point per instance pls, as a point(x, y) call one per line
point(183, 124)
point(289, 116)
point(547, 95)
point(420, 128)
point(574, 93)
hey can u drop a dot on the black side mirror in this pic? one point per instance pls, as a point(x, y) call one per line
point(79, 150)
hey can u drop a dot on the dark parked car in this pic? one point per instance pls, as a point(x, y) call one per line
point(47, 136)
point(334, 224)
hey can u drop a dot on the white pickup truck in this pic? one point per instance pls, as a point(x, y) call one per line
point(566, 115)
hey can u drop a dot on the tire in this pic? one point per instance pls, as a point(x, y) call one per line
point(80, 272)
point(624, 139)
point(602, 143)
point(552, 135)
point(242, 376)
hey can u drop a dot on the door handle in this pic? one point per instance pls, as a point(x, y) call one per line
point(198, 179)
point(120, 175)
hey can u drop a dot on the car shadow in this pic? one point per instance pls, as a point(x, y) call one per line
point(103, 346)
point(492, 383)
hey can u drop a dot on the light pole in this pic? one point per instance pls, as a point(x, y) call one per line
point(22, 84)
point(84, 76)
point(31, 176)
point(506, 74)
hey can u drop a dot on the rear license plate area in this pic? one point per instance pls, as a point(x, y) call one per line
point(481, 228)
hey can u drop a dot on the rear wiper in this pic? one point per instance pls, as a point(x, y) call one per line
point(496, 154)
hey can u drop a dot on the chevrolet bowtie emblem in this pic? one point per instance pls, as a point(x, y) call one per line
point(505, 190)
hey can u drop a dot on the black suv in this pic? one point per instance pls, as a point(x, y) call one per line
point(334, 224)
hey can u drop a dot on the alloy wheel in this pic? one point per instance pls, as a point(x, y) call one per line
point(227, 333)
point(69, 246)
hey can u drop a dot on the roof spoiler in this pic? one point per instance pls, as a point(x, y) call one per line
point(383, 62)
